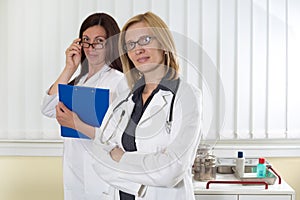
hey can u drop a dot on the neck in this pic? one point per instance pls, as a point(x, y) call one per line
point(149, 87)
point(153, 78)
point(93, 69)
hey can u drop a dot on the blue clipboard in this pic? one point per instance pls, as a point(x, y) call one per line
point(90, 104)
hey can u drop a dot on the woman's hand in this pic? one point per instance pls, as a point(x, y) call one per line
point(73, 58)
point(73, 55)
point(70, 119)
point(66, 117)
point(116, 153)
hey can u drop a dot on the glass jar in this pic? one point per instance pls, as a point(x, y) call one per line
point(205, 168)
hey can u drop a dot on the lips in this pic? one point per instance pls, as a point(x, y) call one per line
point(143, 59)
point(93, 55)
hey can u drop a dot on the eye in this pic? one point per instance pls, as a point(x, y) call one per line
point(85, 39)
point(99, 40)
point(145, 40)
point(130, 45)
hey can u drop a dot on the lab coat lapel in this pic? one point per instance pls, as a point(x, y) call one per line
point(158, 103)
point(129, 107)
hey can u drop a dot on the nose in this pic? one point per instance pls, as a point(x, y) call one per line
point(91, 47)
point(138, 50)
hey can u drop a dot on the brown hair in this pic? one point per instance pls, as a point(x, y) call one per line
point(112, 57)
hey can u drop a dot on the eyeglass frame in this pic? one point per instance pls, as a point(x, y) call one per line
point(92, 44)
point(138, 42)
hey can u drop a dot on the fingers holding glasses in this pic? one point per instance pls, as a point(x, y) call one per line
point(73, 54)
point(75, 47)
point(77, 41)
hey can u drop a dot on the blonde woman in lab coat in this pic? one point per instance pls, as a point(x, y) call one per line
point(97, 51)
point(146, 145)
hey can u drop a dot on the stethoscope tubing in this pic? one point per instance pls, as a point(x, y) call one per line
point(168, 122)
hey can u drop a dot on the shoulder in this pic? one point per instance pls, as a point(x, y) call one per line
point(189, 97)
point(114, 73)
point(189, 90)
point(119, 81)
point(115, 78)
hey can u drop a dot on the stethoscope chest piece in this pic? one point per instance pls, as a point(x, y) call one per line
point(168, 126)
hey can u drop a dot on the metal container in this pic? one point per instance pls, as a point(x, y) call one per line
point(205, 168)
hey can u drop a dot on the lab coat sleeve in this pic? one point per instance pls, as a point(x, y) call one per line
point(122, 87)
point(48, 105)
point(108, 170)
point(167, 167)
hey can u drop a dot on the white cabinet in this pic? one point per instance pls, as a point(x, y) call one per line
point(266, 197)
point(216, 197)
point(242, 192)
point(243, 197)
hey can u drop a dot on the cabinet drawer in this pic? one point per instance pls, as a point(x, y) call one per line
point(265, 197)
point(216, 197)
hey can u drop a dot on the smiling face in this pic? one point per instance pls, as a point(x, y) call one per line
point(147, 54)
point(93, 35)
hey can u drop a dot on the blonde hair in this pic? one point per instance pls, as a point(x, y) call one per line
point(164, 37)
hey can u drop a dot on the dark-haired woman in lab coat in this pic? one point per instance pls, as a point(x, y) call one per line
point(96, 50)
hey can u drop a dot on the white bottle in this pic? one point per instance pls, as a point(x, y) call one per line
point(240, 164)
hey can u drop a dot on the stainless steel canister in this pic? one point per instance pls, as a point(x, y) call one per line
point(203, 150)
point(205, 168)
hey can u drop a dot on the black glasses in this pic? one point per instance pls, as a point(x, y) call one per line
point(94, 45)
point(142, 41)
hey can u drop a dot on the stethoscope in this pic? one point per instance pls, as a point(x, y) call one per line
point(168, 124)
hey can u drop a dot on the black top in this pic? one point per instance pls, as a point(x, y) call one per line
point(128, 137)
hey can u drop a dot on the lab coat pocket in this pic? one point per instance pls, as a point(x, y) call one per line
point(110, 196)
point(94, 185)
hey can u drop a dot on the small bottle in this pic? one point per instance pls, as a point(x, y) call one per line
point(240, 164)
point(261, 168)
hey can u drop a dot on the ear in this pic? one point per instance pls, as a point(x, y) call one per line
point(167, 58)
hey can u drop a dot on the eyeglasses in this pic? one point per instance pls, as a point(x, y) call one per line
point(94, 45)
point(142, 41)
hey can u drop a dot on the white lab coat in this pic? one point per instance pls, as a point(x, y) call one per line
point(161, 168)
point(80, 180)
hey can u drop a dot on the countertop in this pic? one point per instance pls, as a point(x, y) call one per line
point(276, 188)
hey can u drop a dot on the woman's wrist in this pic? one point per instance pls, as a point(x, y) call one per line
point(68, 72)
point(116, 153)
point(84, 128)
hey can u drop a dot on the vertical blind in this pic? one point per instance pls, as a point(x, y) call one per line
point(242, 54)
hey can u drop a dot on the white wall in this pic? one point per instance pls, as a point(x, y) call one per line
point(252, 44)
